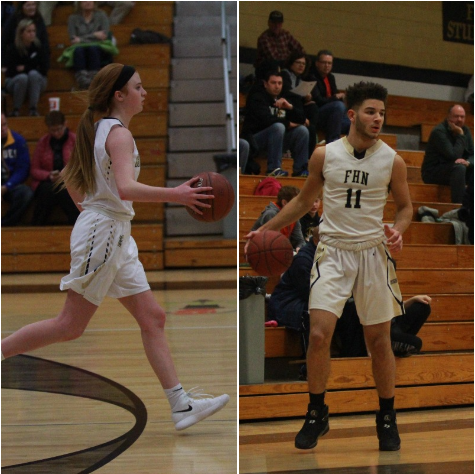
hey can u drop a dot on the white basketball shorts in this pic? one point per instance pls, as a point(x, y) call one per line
point(104, 259)
point(369, 275)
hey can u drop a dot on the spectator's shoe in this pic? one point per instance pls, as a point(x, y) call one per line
point(278, 173)
point(386, 428)
point(200, 406)
point(34, 112)
point(14, 113)
point(300, 174)
point(402, 349)
point(315, 425)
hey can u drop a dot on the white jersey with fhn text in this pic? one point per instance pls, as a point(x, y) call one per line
point(106, 199)
point(355, 193)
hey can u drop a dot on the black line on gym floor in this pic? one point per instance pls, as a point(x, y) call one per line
point(40, 375)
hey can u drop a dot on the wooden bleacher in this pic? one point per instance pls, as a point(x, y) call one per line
point(46, 249)
point(430, 263)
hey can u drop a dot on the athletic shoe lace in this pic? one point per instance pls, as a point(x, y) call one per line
point(197, 393)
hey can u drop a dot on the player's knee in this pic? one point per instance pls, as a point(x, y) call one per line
point(154, 321)
point(69, 331)
point(318, 338)
point(379, 343)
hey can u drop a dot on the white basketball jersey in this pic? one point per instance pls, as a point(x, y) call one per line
point(105, 199)
point(355, 193)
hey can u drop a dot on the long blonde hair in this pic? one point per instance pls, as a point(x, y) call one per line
point(79, 172)
point(21, 27)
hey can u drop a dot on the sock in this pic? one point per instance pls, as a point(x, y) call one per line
point(317, 399)
point(386, 404)
point(3, 357)
point(177, 397)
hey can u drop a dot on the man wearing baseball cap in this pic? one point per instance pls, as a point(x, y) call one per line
point(276, 44)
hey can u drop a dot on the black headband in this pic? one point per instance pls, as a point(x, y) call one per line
point(125, 74)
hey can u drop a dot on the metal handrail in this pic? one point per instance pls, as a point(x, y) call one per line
point(227, 69)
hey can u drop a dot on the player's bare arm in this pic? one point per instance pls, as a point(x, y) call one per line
point(120, 147)
point(402, 199)
point(303, 202)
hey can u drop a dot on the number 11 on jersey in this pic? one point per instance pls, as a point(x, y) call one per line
point(349, 192)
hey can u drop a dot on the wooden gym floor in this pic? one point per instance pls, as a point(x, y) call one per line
point(95, 404)
point(432, 442)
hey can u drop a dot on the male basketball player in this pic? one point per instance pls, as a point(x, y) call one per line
point(356, 173)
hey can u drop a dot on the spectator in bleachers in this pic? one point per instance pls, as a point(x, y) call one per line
point(448, 159)
point(243, 154)
point(288, 301)
point(275, 43)
point(294, 231)
point(276, 122)
point(88, 25)
point(119, 10)
point(25, 10)
point(51, 155)
point(294, 71)
point(331, 117)
point(310, 220)
point(27, 68)
point(15, 169)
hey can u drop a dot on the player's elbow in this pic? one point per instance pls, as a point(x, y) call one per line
point(124, 192)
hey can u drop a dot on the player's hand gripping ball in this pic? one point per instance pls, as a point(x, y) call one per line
point(223, 193)
point(269, 253)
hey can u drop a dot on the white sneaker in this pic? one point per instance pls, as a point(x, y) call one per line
point(200, 406)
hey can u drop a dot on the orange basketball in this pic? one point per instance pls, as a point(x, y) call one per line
point(269, 253)
point(223, 193)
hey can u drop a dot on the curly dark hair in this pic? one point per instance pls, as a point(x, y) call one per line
point(358, 93)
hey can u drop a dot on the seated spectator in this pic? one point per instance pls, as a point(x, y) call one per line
point(119, 10)
point(310, 220)
point(243, 154)
point(448, 158)
point(289, 300)
point(275, 123)
point(25, 10)
point(276, 44)
point(15, 169)
point(27, 68)
point(88, 25)
point(331, 116)
point(51, 155)
point(293, 73)
point(292, 232)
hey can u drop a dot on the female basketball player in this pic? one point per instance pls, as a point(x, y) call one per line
point(101, 177)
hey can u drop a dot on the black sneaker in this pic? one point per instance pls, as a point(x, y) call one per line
point(316, 425)
point(386, 428)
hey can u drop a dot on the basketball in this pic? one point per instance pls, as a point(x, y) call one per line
point(269, 253)
point(223, 200)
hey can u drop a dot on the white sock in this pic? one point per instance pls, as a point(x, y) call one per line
point(177, 397)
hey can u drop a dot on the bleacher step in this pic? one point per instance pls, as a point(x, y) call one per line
point(198, 138)
point(201, 68)
point(198, 9)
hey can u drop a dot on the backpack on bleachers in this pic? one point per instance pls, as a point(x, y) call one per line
point(139, 36)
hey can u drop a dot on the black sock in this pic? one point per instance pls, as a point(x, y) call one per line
point(386, 404)
point(317, 399)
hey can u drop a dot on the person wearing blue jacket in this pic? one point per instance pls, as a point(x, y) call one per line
point(15, 171)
